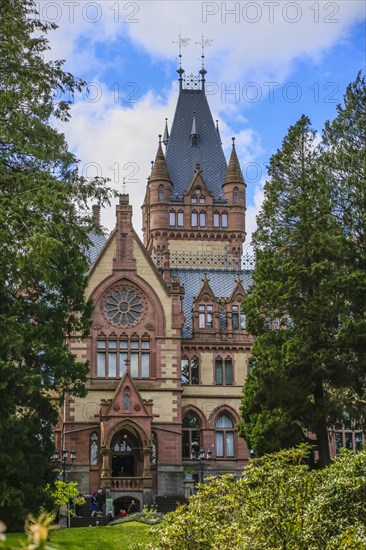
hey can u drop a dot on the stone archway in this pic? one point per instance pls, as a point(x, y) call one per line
point(126, 454)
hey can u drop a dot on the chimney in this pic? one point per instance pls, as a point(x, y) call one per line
point(96, 214)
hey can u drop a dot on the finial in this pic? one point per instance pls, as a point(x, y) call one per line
point(124, 186)
point(160, 136)
point(182, 42)
point(166, 133)
point(233, 141)
point(152, 165)
point(205, 42)
point(198, 167)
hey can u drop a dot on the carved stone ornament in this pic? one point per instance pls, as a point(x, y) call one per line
point(123, 306)
point(116, 407)
point(137, 407)
point(149, 326)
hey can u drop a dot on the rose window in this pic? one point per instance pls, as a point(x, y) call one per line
point(123, 307)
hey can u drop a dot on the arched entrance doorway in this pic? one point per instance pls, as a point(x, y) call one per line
point(126, 454)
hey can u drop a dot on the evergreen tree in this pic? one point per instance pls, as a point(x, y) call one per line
point(44, 228)
point(296, 306)
point(344, 162)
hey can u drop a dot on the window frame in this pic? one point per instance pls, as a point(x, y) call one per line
point(224, 438)
point(188, 442)
point(136, 350)
point(191, 375)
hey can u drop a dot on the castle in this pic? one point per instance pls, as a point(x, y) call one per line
point(168, 348)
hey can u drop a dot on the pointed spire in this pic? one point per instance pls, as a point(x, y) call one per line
point(159, 170)
point(166, 133)
point(233, 172)
point(218, 131)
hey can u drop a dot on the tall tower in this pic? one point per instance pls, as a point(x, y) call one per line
point(195, 202)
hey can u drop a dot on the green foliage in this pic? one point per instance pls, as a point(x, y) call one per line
point(278, 503)
point(45, 224)
point(63, 492)
point(307, 303)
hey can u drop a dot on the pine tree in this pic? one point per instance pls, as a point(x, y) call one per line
point(296, 304)
point(44, 228)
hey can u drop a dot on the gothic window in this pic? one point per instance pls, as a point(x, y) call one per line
point(223, 371)
point(126, 399)
point(123, 306)
point(205, 316)
point(194, 219)
point(348, 435)
point(224, 437)
point(172, 218)
point(153, 453)
point(112, 355)
point(224, 221)
point(235, 317)
point(94, 444)
point(202, 219)
point(189, 371)
point(216, 219)
point(180, 218)
point(191, 434)
point(235, 195)
point(161, 193)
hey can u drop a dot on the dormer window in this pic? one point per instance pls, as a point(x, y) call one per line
point(205, 316)
point(194, 140)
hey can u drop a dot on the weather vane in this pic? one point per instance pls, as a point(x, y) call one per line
point(182, 43)
point(124, 186)
point(205, 43)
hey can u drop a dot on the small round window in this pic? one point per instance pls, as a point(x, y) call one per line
point(123, 307)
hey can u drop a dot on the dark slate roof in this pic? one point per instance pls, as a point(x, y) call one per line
point(97, 243)
point(222, 284)
point(182, 157)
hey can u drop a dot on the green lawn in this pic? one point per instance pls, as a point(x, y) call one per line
point(114, 537)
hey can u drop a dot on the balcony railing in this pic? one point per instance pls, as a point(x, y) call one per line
point(126, 483)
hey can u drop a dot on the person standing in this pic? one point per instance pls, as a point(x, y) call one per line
point(132, 509)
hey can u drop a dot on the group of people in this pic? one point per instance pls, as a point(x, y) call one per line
point(97, 502)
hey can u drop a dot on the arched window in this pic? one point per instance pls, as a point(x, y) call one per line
point(94, 447)
point(161, 193)
point(172, 218)
point(180, 218)
point(202, 219)
point(126, 399)
point(191, 434)
point(224, 437)
point(235, 195)
point(189, 371)
point(224, 221)
point(194, 219)
point(223, 371)
point(154, 450)
point(216, 219)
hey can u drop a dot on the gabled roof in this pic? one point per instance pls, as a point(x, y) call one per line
point(223, 283)
point(97, 243)
point(182, 157)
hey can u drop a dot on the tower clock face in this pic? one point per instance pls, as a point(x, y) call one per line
point(123, 306)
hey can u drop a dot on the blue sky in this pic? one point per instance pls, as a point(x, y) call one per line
point(268, 63)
